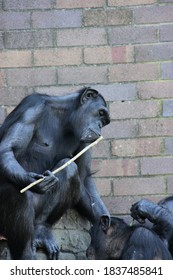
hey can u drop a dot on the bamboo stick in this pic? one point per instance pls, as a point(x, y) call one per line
point(64, 165)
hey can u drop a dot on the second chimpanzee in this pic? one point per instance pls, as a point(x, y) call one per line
point(42, 133)
point(160, 215)
point(112, 238)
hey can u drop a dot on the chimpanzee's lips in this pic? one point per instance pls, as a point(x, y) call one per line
point(90, 136)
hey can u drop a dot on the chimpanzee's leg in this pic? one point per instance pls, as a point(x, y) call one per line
point(90, 204)
point(17, 225)
point(63, 196)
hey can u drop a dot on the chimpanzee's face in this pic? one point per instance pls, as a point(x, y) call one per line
point(92, 116)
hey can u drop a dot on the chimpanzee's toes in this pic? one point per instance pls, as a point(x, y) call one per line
point(52, 250)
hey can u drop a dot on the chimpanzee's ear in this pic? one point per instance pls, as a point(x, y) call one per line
point(105, 221)
point(88, 93)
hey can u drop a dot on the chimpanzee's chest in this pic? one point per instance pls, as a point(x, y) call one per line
point(53, 146)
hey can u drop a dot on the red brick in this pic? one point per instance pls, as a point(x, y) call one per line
point(73, 4)
point(97, 55)
point(120, 3)
point(58, 57)
point(166, 33)
point(15, 20)
point(154, 52)
point(78, 37)
point(138, 186)
point(153, 14)
point(103, 186)
point(31, 77)
point(107, 18)
point(122, 54)
point(155, 166)
point(158, 89)
point(121, 129)
point(82, 75)
point(132, 34)
point(2, 80)
point(15, 59)
point(57, 19)
point(27, 5)
point(137, 147)
point(115, 167)
point(156, 127)
point(121, 204)
point(133, 72)
point(102, 150)
point(134, 109)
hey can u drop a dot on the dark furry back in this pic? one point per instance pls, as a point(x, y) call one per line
point(144, 244)
point(15, 115)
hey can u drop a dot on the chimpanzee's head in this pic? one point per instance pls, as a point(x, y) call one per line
point(91, 115)
point(107, 239)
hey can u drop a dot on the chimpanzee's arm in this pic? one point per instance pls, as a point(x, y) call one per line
point(158, 215)
point(14, 143)
point(90, 203)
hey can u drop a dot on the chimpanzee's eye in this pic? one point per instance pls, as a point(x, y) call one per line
point(101, 113)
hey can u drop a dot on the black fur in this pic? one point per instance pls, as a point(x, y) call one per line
point(120, 241)
point(42, 133)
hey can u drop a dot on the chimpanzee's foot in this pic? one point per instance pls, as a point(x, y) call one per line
point(43, 238)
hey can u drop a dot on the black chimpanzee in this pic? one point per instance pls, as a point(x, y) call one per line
point(42, 133)
point(112, 238)
point(160, 215)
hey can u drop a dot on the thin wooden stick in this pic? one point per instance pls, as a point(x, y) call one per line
point(64, 165)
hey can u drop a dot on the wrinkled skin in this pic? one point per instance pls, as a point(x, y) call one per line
point(112, 238)
point(42, 133)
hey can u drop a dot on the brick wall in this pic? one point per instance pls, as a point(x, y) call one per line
point(122, 48)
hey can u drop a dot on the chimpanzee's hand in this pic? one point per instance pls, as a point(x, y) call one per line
point(50, 181)
point(139, 210)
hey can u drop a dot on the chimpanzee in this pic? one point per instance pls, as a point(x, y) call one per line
point(42, 133)
point(160, 215)
point(112, 238)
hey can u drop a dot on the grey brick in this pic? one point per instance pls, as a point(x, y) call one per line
point(78, 37)
point(27, 5)
point(167, 70)
point(154, 52)
point(168, 146)
point(31, 77)
point(168, 108)
point(117, 92)
point(1, 41)
point(82, 75)
point(19, 40)
point(132, 34)
point(14, 20)
point(57, 19)
point(154, 166)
